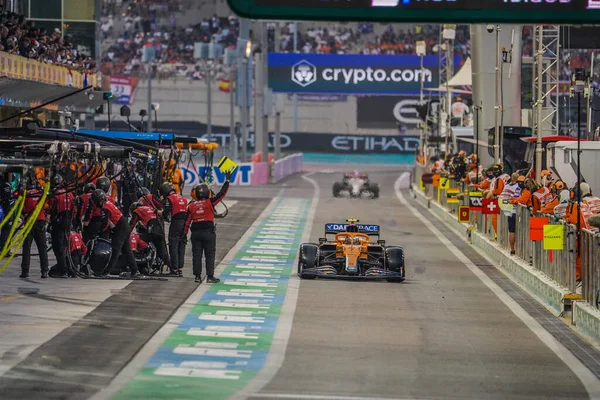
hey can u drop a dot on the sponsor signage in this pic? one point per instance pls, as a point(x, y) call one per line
point(387, 112)
point(342, 228)
point(123, 88)
point(244, 174)
point(351, 73)
point(328, 143)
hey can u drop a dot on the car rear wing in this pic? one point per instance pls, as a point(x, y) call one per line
point(333, 228)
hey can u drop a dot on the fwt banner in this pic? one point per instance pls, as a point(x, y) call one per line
point(351, 73)
point(247, 174)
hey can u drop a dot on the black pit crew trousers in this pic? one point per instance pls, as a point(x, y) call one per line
point(204, 241)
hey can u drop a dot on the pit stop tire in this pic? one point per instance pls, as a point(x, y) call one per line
point(375, 190)
point(394, 261)
point(337, 187)
point(308, 258)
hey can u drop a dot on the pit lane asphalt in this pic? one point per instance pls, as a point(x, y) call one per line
point(442, 334)
point(68, 338)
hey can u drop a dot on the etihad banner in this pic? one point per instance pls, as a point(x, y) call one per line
point(352, 73)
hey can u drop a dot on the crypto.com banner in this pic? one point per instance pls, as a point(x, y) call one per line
point(351, 73)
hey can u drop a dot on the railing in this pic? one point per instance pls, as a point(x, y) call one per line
point(558, 265)
point(590, 274)
point(17, 67)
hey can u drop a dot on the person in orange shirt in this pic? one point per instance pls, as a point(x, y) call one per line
point(587, 197)
point(528, 187)
point(173, 175)
point(556, 188)
point(486, 182)
point(572, 217)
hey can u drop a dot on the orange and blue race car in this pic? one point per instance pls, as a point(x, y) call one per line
point(351, 253)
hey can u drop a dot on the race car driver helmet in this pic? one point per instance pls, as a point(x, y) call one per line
point(352, 228)
point(202, 191)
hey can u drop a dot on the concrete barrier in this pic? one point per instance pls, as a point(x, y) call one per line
point(289, 165)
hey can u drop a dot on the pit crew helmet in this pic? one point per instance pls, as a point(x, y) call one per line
point(103, 183)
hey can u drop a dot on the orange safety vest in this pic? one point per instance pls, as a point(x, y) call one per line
point(560, 211)
point(544, 195)
point(585, 215)
point(593, 203)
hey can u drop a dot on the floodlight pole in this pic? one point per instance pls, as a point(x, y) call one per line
point(539, 117)
point(232, 136)
point(209, 102)
point(295, 95)
point(421, 49)
point(149, 120)
point(497, 143)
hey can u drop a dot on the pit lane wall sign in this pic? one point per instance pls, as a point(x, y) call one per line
point(328, 143)
point(247, 174)
point(351, 73)
point(224, 341)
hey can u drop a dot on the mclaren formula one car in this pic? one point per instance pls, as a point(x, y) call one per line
point(356, 185)
point(351, 253)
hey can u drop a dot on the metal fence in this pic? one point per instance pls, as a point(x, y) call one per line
point(558, 265)
point(590, 258)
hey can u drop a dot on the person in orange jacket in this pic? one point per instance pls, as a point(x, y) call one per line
point(572, 217)
point(528, 187)
point(173, 175)
point(556, 188)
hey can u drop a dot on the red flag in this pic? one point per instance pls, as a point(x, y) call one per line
point(490, 206)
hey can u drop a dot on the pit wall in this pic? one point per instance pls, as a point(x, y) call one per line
point(584, 318)
point(247, 174)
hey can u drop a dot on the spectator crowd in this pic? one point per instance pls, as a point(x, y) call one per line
point(21, 37)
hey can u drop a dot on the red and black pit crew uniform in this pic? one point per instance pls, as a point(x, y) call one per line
point(77, 248)
point(113, 219)
point(61, 206)
point(92, 220)
point(141, 252)
point(150, 201)
point(176, 212)
point(201, 221)
point(37, 234)
point(82, 203)
point(153, 231)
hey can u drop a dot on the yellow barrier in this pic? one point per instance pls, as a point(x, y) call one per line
point(17, 67)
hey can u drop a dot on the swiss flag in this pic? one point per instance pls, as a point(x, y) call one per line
point(490, 206)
